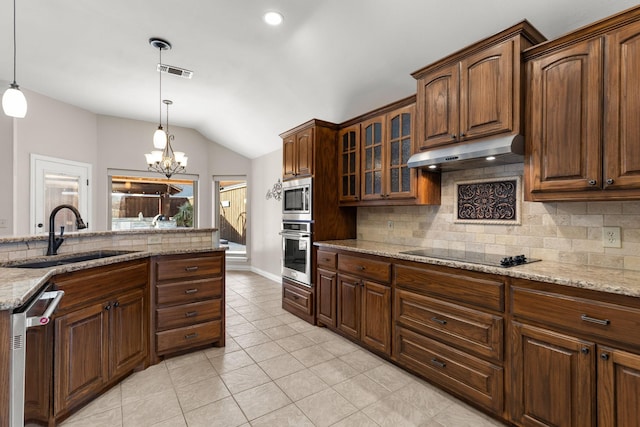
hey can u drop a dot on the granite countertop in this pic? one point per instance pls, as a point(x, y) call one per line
point(17, 285)
point(624, 282)
point(87, 233)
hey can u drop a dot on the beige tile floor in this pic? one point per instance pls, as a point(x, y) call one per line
point(275, 370)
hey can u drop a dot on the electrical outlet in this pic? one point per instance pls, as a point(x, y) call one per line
point(390, 225)
point(611, 237)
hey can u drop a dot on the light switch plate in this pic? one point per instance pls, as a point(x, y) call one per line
point(611, 237)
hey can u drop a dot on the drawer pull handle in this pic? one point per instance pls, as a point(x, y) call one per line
point(438, 363)
point(190, 269)
point(191, 291)
point(190, 336)
point(441, 321)
point(602, 322)
point(191, 314)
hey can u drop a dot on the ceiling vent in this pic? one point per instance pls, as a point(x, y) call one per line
point(176, 71)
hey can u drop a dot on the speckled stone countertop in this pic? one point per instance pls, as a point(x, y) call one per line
point(17, 285)
point(87, 233)
point(624, 282)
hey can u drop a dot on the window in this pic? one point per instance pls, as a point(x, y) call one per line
point(139, 202)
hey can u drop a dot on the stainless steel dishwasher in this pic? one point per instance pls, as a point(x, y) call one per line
point(36, 313)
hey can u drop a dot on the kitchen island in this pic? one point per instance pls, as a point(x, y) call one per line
point(542, 343)
point(140, 282)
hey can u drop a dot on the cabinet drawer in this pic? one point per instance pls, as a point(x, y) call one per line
point(472, 330)
point(190, 336)
point(188, 314)
point(363, 267)
point(188, 291)
point(327, 259)
point(297, 297)
point(475, 289)
point(475, 379)
point(595, 318)
point(168, 268)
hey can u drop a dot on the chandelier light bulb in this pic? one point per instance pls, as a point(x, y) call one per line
point(14, 103)
point(159, 138)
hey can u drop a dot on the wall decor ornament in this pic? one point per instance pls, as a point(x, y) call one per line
point(276, 191)
point(488, 201)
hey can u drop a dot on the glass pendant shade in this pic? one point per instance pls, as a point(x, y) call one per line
point(159, 138)
point(14, 103)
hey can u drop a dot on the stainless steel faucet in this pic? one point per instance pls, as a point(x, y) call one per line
point(55, 242)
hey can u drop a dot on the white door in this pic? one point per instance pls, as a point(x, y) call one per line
point(57, 182)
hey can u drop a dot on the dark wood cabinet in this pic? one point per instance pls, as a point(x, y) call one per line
point(618, 387)
point(189, 302)
point(349, 163)
point(349, 305)
point(37, 388)
point(574, 361)
point(583, 132)
point(475, 92)
point(298, 299)
point(101, 331)
point(554, 378)
point(298, 154)
point(375, 149)
point(326, 290)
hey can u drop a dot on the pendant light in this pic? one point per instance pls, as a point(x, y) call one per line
point(14, 103)
point(160, 136)
point(167, 161)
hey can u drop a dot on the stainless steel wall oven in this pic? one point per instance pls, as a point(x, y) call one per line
point(296, 251)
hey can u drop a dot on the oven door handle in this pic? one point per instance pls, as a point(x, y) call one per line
point(294, 235)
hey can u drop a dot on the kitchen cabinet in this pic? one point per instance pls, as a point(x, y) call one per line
point(298, 299)
point(189, 301)
point(37, 390)
point(326, 289)
point(297, 159)
point(101, 331)
point(349, 163)
point(475, 92)
point(582, 138)
point(355, 298)
point(574, 360)
point(373, 160)
point(448, 327)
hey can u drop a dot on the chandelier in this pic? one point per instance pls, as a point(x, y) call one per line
point(163, 159)
point(14, 103)
point(167, 161)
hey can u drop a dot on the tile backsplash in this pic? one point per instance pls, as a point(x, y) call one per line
point(568, 232)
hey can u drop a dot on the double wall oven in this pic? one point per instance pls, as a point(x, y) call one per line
point(297, 230)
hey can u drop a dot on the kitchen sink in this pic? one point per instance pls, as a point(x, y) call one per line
point(67, 259)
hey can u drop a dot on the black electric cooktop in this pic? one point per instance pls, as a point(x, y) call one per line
point(472, 257)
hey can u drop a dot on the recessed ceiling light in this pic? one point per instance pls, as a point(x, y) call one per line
point(273, 18)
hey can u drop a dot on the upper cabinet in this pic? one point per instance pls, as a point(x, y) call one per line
point(583, 133)
point(373, 160)
point(297, 150)
point(475, 92)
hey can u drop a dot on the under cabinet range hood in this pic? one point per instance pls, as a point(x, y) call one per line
point(478, 154)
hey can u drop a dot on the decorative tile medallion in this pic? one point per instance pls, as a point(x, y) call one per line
point(488, 201)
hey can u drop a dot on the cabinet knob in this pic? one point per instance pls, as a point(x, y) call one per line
point(191, 291)
point(585, 350)
point(361, 267)
point(191, 336)
point(107, 307)
point(438, 363)
point(191, 314)
point(610, 181)
point(116, 304)
point(462, 135)
point(453, 136)
point(440, 321)
point(592, 182)
point(191, 269)
point(604, 356)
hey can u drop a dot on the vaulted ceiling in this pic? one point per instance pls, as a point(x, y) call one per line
point(331, 59)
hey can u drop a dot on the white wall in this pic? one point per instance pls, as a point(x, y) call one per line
point(6, 174)
point(51, 128)
point(266, 215)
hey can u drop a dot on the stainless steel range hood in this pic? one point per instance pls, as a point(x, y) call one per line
point(478, 154)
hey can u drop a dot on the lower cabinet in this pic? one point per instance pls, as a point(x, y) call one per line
point(298, 299)
point(189, 302)
point(101, 331)
point(565, 367)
